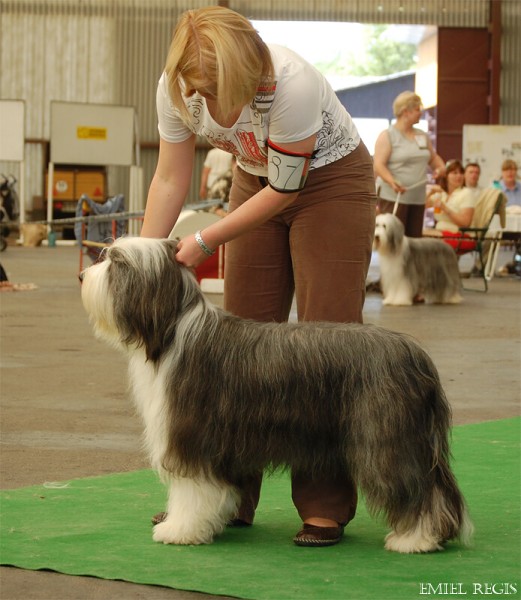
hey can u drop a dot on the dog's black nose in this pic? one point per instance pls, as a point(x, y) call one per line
point(81, 276)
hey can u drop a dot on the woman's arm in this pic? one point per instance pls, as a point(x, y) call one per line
point(255, 211)
point(382, 153)
point(169, 188)
point(461, 218)
point(436, 162)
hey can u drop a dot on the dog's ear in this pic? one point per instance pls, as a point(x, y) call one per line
point(395, 233)
point(147, 297)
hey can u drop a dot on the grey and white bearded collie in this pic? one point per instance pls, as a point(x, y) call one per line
point(412, 266)
point(222, 398)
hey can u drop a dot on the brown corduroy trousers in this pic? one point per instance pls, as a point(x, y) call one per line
point(318, 248)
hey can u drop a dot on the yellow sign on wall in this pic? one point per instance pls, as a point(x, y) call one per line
point(91, 133)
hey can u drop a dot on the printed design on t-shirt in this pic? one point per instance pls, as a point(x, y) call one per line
point(251, 154)
point(244, 146)
point(222, 142)
point(333, 142)
point(195, 107)
point(264, 98)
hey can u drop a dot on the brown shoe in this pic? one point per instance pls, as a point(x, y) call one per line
point(316, 537)
point(159, 518)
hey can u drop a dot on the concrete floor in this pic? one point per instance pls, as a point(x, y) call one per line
point(64, 411)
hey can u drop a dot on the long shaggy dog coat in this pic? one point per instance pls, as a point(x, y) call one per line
point(222, 398)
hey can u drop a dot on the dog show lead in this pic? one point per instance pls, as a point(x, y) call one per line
point(302, 203)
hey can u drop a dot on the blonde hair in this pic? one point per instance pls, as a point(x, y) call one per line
point(405, 101)
point(216, 51)
point(509, 164)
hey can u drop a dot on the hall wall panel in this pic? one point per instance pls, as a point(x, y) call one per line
point(463, 85)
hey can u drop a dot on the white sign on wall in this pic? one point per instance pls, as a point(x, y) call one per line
point(489, 146)
point(12, 132)
point(92, 134)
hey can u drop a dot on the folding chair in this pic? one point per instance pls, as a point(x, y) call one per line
point(477, 239)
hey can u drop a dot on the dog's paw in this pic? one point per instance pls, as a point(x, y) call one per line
point(413, 542)
point(169, 532)
point(397, 302)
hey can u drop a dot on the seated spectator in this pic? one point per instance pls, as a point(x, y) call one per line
point(472, 173)
point(509, 183)
point(511, 187)
point(453, 204)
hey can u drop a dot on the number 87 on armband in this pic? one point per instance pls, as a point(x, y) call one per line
point(287, 171)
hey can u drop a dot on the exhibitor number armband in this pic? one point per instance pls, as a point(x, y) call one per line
point(287, 171)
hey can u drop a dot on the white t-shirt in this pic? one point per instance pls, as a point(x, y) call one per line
point(460, 199)
point(301, 104)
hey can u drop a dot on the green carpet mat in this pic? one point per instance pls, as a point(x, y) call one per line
point(100, 527)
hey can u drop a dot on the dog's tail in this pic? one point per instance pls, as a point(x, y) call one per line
point(438, 515)
point(402, 462)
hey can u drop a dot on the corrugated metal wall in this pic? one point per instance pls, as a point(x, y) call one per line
point(510, 82)
point(113, 51)
point(457, 13)
point(108, 51)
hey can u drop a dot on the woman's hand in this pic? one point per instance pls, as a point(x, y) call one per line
point(438, 204)
point(435, 189)
point(439, 172)
point(398, 187)
point(189, 253)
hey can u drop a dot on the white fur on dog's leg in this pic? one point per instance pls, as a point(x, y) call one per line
point(417, 540)
point(398, 297)
point(397, 293)
point(197, 510)
point(397, 302)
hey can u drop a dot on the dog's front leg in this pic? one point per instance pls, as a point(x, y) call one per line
point(198, 508)
point(398, 295)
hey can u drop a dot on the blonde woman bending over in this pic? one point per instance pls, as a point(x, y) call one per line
point(302, 202)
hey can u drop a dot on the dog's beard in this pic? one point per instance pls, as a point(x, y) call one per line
point(98, 302)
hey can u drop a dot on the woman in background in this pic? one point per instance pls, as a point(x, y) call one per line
point(453, 203)
point(401, 158)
